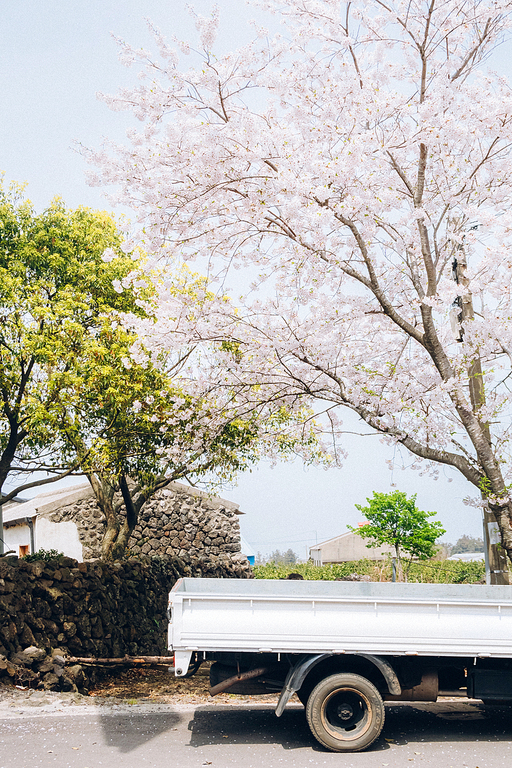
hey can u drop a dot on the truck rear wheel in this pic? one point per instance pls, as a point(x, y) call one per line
point(345, 712)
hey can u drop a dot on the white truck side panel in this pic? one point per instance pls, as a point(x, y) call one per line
point(340, 617)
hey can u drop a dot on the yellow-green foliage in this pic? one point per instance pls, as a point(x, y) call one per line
point(433, 571)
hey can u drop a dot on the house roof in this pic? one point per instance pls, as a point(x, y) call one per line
point(334, 538)
point(15, 500)
point(46, 502)
point(61, 497)
point(468, 556)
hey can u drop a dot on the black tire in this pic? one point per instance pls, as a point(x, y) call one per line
point(345, 712)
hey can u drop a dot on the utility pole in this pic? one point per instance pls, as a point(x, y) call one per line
point(496, 565)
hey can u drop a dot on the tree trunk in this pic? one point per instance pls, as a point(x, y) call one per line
point(132, 515)
point(502, 513)
point(111, 533)
point(104, 494)
point(117, 535)
point(399, 569)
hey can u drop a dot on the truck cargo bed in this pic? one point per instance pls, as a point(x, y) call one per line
point(340, 617)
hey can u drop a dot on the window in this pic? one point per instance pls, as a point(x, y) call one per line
point(23, 550)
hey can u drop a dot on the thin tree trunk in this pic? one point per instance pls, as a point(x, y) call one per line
point(118, 535)
point(399, 569)
point(130, 521)
point(104, 493)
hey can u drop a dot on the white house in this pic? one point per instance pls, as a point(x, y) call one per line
point(346, 547)
point(26, 529)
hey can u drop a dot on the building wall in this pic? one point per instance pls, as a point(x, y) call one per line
point(347, 547)
point(16, 536)
point(62, 536)
point(179, 521)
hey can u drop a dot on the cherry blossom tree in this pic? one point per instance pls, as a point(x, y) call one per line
point(138, 421)
point(73, 402)
point(359, 163)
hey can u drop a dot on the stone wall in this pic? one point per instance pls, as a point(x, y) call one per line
point(177, 521)
point(188, 523)
point(92, 609)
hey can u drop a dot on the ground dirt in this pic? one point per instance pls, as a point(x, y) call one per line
point(158, 685)
point(146, 685)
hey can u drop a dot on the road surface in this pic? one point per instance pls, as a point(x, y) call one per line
point(443, 735)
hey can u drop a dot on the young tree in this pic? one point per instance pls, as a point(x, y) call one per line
point(362, 164)
point(74, 401)
point(395, 520)
point(132, 427)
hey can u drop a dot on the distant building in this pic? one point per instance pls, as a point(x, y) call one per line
point(178, 520)
point(347, 547)
point(467, 557)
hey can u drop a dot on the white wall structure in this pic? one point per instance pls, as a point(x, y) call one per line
point(17, 538)
point(20, 518)
point(346, 547)
point(247, 550)
point(60, 536)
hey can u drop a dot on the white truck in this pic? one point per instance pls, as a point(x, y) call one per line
point(345, 647)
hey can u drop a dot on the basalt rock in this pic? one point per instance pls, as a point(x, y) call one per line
point(98, 609)
point(177, 520)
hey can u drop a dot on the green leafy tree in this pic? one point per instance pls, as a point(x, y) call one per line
point(467, 544)
point(55, 292)
point(135, 422)
point(133, 430)
point(73, 398)
point(395, 520)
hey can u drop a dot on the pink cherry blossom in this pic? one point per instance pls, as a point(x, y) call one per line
point(350, 167)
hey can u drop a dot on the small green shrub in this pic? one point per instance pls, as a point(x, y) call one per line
point(43, 554)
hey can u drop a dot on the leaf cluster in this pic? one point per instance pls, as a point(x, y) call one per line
point(56, 299)
point(395, 520)
point(47, 555)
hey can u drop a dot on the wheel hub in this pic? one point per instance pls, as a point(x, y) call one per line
point(345, 712)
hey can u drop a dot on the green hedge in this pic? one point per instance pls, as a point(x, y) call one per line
point(432, 571)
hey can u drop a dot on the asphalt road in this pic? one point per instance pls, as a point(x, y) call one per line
point(444, 735)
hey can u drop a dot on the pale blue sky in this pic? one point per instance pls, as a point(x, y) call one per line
point(54, 56)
